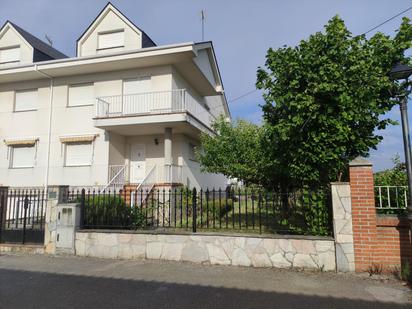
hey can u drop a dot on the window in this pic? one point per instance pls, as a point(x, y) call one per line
point(25, 100)
point(137, 85)
point(81, 94)
point(22, 156)
point(192, 152)
point(10, 55)
point(111, 39)
point(79, 154)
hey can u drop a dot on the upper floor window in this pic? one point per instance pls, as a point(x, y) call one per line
point(10, 55)
point(25, 100)
point(111, 39)
point(81, 94)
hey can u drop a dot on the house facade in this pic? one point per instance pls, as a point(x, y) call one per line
point(123, 111)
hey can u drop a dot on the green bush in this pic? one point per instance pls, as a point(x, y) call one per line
point(105, 210)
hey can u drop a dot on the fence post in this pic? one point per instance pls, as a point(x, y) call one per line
point(3, 207)
point(342, 226)
point(25, 206)
point(194, 210)
point(82, 208)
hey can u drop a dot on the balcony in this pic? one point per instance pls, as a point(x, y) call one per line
point(151, 107)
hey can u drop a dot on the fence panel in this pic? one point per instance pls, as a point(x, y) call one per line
point(243, 210)
point(391, 199)
point(22, 216)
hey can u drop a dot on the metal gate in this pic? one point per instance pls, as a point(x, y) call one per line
point(22, 216)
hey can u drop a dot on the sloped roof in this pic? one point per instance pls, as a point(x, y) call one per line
point(38, 44)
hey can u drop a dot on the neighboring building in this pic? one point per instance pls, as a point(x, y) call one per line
point(123, 111)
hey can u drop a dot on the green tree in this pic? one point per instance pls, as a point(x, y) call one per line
point(325, 98)
point(237, 151)
point(395, 176)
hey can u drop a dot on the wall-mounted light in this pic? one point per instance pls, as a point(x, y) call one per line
point(156, 141)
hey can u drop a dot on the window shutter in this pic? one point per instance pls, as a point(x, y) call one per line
point(82, 94)
point(140, 85)
point(26, 100)
point(23, 156)
point(79, 154)
point(111, 39)
point(10, 55)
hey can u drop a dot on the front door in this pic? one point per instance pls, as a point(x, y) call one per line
point(137, 163)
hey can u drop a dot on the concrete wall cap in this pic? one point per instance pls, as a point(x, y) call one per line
point(342, 183)
point(360, 162)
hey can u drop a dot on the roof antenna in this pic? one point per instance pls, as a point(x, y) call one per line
point(203, 16)
point(49, 39)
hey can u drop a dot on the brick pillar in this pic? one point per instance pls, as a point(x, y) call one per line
point(363, 213)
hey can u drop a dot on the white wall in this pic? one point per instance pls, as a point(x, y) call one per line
point(65, 121)
point(111, 21)
point(12, 38)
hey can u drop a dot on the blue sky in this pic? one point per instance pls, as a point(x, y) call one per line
point(241, 30)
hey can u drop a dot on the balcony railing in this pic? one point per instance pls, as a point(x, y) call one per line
point(152, 103)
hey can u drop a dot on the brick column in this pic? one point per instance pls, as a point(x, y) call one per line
point(363, 213)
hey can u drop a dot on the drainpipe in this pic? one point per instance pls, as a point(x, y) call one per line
point(46, 177)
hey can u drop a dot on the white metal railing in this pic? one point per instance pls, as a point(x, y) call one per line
point(158, 102)
point(391, 197)
point(173, 173)
point(144, 188)
point(117, 177)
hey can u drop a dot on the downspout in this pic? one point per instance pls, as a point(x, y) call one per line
point(46, 177)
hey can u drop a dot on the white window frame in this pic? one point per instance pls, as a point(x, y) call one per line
point(36, 90)
point(12, 155)
point(80, 85)
point(9, 48)
point(68, 144)
point(108, 33)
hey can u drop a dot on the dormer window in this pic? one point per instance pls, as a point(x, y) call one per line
point(10, 55)
point(110, 39)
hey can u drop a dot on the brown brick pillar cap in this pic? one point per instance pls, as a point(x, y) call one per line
point(359, 161)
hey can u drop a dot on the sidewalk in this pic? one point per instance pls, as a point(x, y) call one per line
point(36, 281)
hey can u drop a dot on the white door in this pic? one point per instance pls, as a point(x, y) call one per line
point(137, 163)
point(136, 95)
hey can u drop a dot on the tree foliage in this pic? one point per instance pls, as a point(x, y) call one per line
point(395, 176)
point(326, 97)
point(325, 100)
point(237, 151)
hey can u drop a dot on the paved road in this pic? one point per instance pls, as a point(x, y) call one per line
point(72, 282)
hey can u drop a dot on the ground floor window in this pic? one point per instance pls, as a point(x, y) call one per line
point(23, 156)
point(79, 154)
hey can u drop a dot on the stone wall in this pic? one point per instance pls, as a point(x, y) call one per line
point(303, 252)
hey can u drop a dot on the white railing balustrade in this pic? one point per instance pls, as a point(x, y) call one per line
point(173, 173)
point(158, 102)
point(391, 197)
point(140, 195)
point(117, 177)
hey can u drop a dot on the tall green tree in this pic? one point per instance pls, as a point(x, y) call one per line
point(326, 97)
point(325, 101)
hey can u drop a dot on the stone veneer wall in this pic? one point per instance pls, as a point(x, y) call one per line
point(311, 253)
point(342, 226)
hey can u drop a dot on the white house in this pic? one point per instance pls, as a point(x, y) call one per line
point(123, 111)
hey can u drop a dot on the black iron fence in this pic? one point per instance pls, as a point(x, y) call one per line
point(22, 215)
point(301, 212)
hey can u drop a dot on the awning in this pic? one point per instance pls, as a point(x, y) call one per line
point(78, 138)
point(21, 141)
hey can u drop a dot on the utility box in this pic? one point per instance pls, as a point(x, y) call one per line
point(68, 220)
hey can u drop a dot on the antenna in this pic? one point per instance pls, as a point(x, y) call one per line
point(49, 39)
point(203, 16)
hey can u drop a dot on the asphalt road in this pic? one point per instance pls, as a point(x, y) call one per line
point(71, 282)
